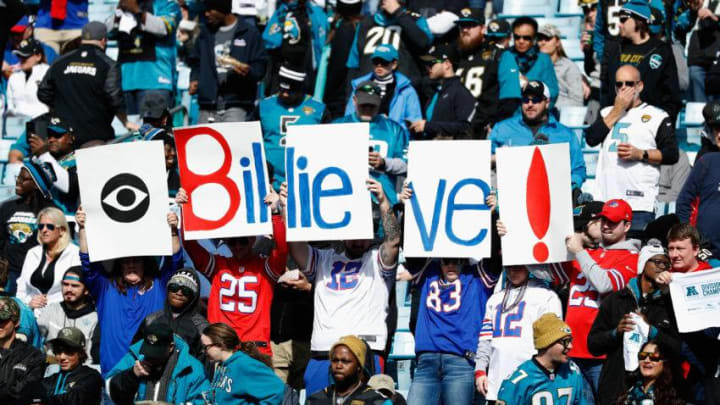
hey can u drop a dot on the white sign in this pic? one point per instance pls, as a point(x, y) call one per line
point(222, 167)
point(447, 215)
point(326, 167)
point(696, 299)
point(535, 203)
point(123, 189)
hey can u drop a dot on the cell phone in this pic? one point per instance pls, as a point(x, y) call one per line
point(29, 128)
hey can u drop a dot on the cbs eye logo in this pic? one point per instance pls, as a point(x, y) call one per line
point(125, 198)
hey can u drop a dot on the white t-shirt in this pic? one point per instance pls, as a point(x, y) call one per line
point(351, 297)
point(634, 181)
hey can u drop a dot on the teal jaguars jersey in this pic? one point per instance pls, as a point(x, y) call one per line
point(531, 384)
point(275, 118)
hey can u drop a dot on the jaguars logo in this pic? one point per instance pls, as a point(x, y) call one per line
point(656, 61)
point(645, 118)
point(466, 12)
point(308, 110)
point(493, 27)
point(152, 339)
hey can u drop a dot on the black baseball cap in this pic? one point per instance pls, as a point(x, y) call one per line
point(582, 214)
point(157, 341)
point(28, 47)
point(471, 15)
point(58, 126)
point(711, 113)
point(498, 29)
point(442, 52)
point(536, 88)
point(154, 106)
point(368, 92)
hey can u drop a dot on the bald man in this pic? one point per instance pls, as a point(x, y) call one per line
point(636, 139)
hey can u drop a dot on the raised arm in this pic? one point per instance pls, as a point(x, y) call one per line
point(276, 263)
point(299, 251)
point(202, 259)
point(390, 247)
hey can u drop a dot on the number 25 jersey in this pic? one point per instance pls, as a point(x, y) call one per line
point(351, 297)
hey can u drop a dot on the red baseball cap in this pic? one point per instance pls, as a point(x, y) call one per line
point(18, 29)
point(616, 210)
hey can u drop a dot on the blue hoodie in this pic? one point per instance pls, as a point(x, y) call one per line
point(187, 382)
point(514, 132)
point(405, 104)
point(243, 380)
point(541, 70)
point(120, 314)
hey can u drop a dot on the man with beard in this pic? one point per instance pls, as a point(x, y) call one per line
point(158, 368)
point(77, 310)
point(347, 366)
point(535, 126)
point(228, 61)
point(550, 376)
point(388, 139)
point(290, 106)
point(478, 70)
point(352, 291)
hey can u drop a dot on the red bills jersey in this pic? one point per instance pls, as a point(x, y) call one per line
point(584, 298)
point(241, 293)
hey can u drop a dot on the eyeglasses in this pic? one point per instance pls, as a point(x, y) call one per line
point(523, 37)
point(534, 100)
point(654, 357)
point(207, 347)
point(186, 291)
point(627, 83)
point(380, 62)
point(50, 227)
point(565, 342)
point(660, 263)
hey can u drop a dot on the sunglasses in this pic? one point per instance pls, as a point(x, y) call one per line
point(627, 83)
point(660, 263)
point(380, 62)
point(542, 37)
point(534, 100)
point(624, 18)
point(50, 227)
point(450, 261)
point(523, 37)
point(53, 134)
point(654, 357)
point(565, 342)
point(186, 291)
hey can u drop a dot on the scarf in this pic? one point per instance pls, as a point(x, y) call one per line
point(161, 384)
point(525, 61)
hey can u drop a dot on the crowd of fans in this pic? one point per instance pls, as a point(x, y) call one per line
point(281, 317)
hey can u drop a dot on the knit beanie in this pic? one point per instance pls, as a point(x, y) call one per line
point(356, 346)
point(186, 277)
point(548, 329)
point(652, 248)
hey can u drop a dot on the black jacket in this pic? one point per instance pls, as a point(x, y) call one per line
point(20, 366)
point(18, 233)
point(603, 338)
point(247, 47)
point(336, 83)
point(83, 86)
point(82, 386)
point(658, 72)
point(363, 395)
point(453, 111)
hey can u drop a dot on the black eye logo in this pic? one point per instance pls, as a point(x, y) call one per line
point(125, 198)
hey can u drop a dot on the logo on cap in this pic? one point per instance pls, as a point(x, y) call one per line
point(566, 330)
point(613, 204)
point(383, 48)
point(493, 26)
point(466, 12)
point(66, 332)
point(152, 339)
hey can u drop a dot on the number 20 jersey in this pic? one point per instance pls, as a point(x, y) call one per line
point(351, 297)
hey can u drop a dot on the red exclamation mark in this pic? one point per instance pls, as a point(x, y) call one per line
point(537, 201)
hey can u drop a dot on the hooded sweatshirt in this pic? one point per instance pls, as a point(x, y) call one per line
point(230, 382)
point(54, 317)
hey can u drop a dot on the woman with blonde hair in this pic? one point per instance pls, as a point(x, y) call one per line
point(569, 76)
point(40, 281)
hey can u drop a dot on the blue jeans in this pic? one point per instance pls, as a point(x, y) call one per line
point(134, 100)
point(317, 374)
point(640, 219)
point(590, 370)
point(442, 377)
point(696, 91)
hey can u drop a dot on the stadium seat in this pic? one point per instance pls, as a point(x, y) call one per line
point(569, 26)
point(112, 52)
point(573, 117)
point(403, 346)
point(693, 115)
point(14, 127)
point(5, 145)
point(573, 49)
point(569, 8)
point(183, 81)
point(532, 8)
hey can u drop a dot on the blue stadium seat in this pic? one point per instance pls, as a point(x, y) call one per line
point(532, 8)
point(573, 117)
point(14, 127)
point(569, 8)
point(112, 52)
point(569, 26)
point(692, 115)
point(183, 81)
